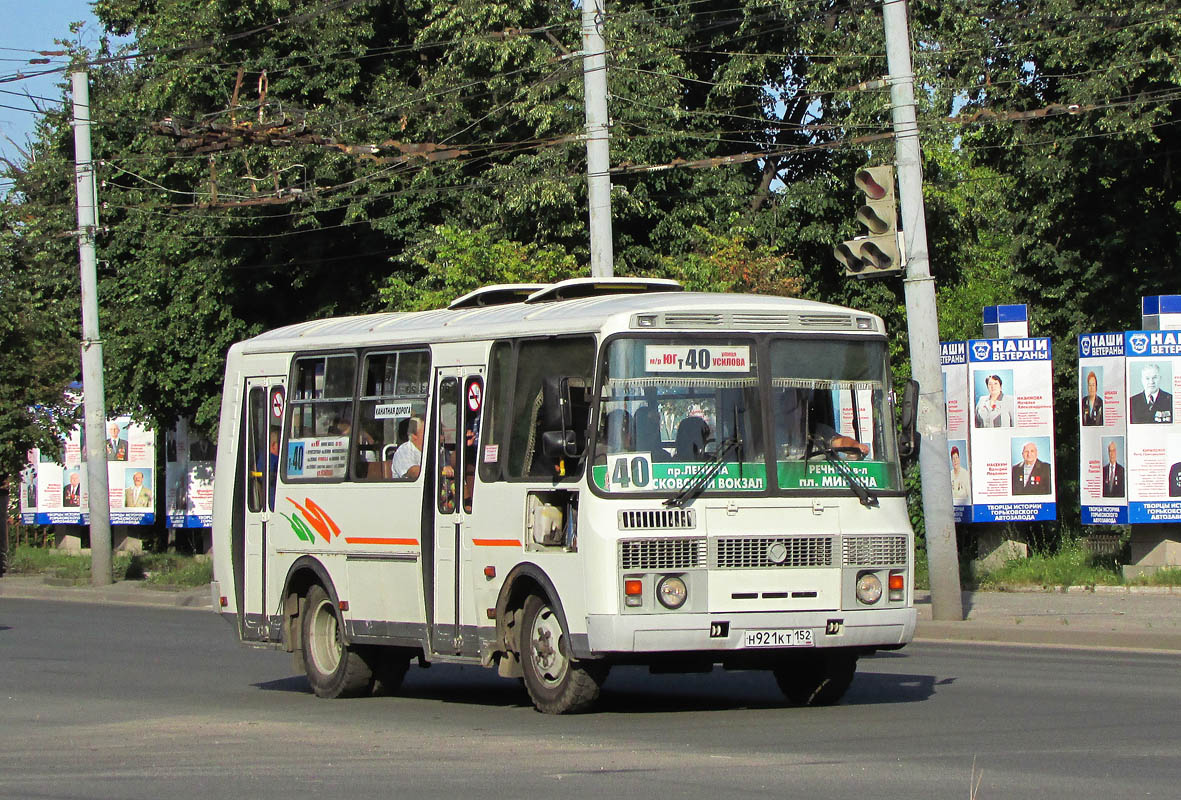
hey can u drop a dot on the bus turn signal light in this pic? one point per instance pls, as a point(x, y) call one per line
point(897, 586)
point(633, 590)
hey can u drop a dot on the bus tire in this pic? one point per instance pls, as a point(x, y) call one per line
point(333, 668)
point(818, 680)
point(557, 683)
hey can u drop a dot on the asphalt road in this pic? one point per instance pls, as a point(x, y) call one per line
point(129, 702)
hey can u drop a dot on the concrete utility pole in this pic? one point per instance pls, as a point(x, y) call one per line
point(93, 397)
point(598, 160)
point(922, 325)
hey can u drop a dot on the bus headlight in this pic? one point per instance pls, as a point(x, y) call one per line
point(672, 592)
point(869, 588)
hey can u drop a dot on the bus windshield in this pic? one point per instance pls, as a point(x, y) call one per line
point(688, 414)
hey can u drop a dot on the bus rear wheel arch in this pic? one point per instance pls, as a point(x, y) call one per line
point(557, 682)
point(333, 667)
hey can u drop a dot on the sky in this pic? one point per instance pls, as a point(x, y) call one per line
point(30, 25)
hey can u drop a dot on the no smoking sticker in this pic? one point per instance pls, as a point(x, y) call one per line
point(474, 395)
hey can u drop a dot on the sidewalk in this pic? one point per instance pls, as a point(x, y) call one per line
point(122, 593)
point(1147, 618)
point(1138, 617)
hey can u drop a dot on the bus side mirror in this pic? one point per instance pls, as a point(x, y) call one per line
point(555, 403)
point(908, 440)
point(562, 412)
point(560, 444)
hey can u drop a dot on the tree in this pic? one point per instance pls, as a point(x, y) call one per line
point(38, 360)
point(281, 160)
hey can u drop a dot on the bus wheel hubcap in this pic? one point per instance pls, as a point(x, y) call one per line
point(547, 656)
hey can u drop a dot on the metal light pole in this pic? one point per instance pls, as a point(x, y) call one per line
point(93, 397)
point(922, 325)
point(598, 161)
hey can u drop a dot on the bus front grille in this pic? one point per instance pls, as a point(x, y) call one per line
point(661, 554)
point(657, 519)
point(874, 551)
point(774, 551)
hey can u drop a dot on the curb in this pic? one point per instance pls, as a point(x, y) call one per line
point(122, 593)
point(1098, 588)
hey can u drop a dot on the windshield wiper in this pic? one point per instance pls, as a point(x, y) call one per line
point(832, 456)
point(702, 479)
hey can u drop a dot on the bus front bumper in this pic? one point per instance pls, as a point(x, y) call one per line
point(657, 633)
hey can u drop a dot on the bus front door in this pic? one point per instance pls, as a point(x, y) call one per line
point(458, 399)
point(265, 399)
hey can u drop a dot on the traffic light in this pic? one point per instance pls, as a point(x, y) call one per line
point(876, 253)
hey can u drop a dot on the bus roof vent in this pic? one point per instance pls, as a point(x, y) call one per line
point(762, 320)
point(692, 319)
point(576, 288)
point(498, 295)
point(827, 322)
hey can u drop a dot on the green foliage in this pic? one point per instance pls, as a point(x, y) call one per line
point(164, 570)
point(1071, 565)
point(376, 154)
point(1169, 576)
point(450, 263)
point(922, 569)
point(168, 570)
point(733, 262)
point(37, 358)
point(29, 560)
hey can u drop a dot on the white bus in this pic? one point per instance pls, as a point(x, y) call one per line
point(554, 479)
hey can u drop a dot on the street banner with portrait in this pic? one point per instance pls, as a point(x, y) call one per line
point(56, 493)
point(1013, 468)
point(1103, 415)
point(958, 408)
point(1154, 435)
point(188, 462)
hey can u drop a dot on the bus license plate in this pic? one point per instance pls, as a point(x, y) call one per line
point(797, 637)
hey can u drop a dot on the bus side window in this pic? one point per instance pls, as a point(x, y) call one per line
point(321, 403)
point(445, 461)
point(497, 398)
point(538, 359)
point(256, 448)
point(393, 389)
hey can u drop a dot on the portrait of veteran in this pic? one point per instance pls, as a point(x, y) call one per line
point(1113, 473)
point(72, 492)
point(1031, 476)
point(1092, 402)
point(116, 444)
point(137, 495)
point(1153, 404)
point(995, 409)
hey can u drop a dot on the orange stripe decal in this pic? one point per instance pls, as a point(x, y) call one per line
point(376, 540)
point(496, 542)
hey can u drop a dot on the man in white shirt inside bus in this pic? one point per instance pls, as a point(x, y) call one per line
point(407, 459)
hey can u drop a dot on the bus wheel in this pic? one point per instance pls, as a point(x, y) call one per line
point(819, 680)
point(333, 668)
point(557, 683)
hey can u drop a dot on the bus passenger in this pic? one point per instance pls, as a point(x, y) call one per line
point(408, 457)
point(648, 434)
